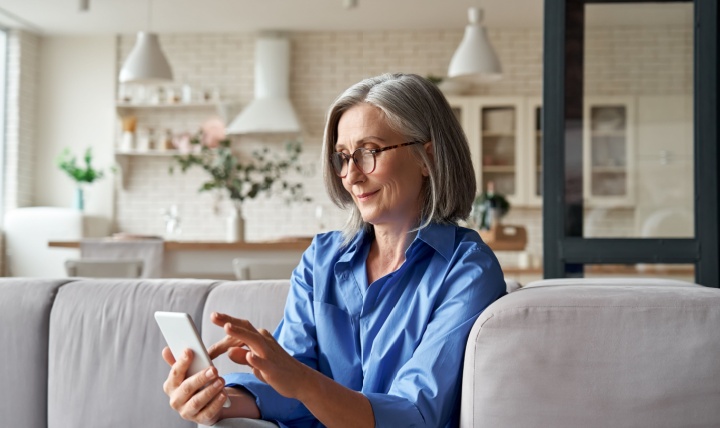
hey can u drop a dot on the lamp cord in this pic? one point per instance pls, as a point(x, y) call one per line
point(149, 22)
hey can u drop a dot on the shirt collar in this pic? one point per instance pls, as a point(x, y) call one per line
point(355, 245)
point(441, 237)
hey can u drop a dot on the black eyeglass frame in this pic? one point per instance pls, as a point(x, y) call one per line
point(345, 158)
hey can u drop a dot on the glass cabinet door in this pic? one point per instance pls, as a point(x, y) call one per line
point(499, 123)
point(608, 151)
point(493, 126)
point(534, 148)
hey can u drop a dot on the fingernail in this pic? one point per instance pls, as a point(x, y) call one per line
point(209, 373)
point(221, 397)
point(217, 384)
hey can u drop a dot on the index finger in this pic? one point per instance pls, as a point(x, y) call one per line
point(221, 319)
point(252, 338)
point(222, 346)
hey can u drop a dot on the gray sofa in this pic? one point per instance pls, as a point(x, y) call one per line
point(564, 353)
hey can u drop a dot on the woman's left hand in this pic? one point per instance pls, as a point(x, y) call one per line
point(261, 352)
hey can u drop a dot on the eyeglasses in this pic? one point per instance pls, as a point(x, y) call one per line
point(364, 159)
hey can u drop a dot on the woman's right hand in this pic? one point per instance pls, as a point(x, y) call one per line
point(187, 396)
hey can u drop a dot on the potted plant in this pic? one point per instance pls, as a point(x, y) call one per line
point(211, 150)
point(81, 174)
point(489, 207)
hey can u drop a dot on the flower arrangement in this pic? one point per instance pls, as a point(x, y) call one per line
point(87, 174)
point(210, 149)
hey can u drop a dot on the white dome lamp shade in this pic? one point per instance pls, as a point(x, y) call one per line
point(146, 62)
point(475, 59)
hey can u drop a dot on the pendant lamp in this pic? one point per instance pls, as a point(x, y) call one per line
point(146, 62)
point(475, 59)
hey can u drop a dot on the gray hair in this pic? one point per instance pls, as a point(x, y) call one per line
point(414, 107)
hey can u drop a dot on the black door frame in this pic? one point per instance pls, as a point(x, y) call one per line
point(564, 247)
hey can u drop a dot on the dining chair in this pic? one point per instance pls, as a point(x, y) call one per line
point(102, 268)
point(253, 269)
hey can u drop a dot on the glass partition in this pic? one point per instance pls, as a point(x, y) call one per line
point(637, 122)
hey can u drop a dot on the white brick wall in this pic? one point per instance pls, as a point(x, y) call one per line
point(22, 105)
point(324, 64)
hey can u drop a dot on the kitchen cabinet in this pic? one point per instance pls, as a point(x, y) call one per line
point(609, 151)
point(533, 137)
point(494, 129)
point(505, 137)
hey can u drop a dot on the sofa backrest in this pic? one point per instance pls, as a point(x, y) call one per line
point(105, 365)
point(25, 306)
point(260, 302)
point(596, 353)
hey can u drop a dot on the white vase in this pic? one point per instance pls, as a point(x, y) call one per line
point(235, 231)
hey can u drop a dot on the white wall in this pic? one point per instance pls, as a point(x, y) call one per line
point(76, 110)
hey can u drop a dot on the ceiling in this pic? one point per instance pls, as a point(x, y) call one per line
point(63, 17)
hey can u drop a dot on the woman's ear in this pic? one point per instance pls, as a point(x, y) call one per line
point(430, 152)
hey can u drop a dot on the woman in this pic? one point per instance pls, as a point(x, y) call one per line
point(378, 314)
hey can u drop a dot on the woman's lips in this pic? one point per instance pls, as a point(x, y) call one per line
point(365, 196)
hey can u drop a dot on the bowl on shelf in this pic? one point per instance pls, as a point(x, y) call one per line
point(454, 87)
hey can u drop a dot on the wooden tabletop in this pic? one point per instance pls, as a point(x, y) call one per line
point(299, 244)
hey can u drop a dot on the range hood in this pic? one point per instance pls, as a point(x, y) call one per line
point(271, 110)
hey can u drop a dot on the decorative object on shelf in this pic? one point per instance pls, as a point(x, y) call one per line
point(266, 173)
point(68, 163)
point(187, 94)
point(167, 143)
point(146, 62)
point(489, 208)
point(127, 141)
point(475, 59)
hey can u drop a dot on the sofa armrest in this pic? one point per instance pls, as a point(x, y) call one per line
point(594, 353)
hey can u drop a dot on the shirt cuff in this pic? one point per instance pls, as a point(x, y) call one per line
point(272, 405)
point(391, 411)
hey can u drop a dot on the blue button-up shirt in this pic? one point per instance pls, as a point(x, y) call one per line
point(400, 341)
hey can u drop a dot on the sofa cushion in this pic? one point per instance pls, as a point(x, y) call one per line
point(260, 302)
point(24, 322)
point(595, 354)
point(105, 367)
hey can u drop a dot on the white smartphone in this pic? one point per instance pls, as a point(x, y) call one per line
point(180, 334)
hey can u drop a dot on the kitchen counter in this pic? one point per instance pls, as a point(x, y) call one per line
point(279, 245)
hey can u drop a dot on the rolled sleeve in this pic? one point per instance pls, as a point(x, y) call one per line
point(391, 411)
point(272, 405)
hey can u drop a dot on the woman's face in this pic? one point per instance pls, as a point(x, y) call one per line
point(390, 195)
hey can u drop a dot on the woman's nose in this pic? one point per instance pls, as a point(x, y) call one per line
point(354, 173)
